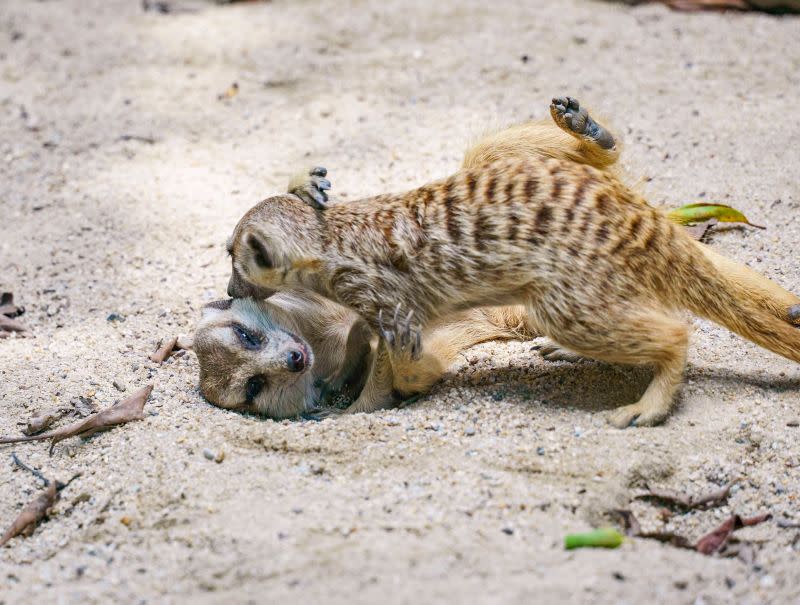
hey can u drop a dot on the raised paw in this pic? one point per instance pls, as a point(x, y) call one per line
point(311, 189)
point(400, 335)
point(570, 116)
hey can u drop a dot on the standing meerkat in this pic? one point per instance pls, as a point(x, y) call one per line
point(598, 270)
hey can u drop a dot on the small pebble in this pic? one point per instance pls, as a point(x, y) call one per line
point(120, 386)
point(212, 455)
point(115, 317)
point(469, 432)
point(794, 422)
point(508, 531)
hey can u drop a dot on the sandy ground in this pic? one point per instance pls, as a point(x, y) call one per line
point(466, 495)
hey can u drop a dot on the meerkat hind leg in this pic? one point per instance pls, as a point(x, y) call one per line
point(568, 114)
point(642, 338)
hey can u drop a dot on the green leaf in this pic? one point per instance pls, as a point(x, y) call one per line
point(605, 537)
point(701, 212)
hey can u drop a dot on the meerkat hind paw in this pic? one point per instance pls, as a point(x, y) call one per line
point(623, 417)
point(569, 115)
point(637, 414)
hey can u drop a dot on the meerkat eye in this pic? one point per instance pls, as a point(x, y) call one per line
point(249, 340)
point(260, 254)
point(254, 387)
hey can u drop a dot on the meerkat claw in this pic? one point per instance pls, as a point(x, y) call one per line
point(387, 335)
point(400, 335)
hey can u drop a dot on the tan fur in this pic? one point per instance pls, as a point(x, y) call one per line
point(332, 332)
point(599, 270)
point(539, 138)
point(328, 328)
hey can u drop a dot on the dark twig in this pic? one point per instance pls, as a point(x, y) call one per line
point(37, 474)
point(138, 137)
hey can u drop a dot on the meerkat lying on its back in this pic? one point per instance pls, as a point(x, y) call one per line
point(599, 271)
point(297, 353)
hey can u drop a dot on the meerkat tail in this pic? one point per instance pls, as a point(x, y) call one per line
point(762, 291)
point(728, 299)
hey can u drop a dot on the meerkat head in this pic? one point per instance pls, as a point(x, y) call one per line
point(249, 362)
point(272, 245)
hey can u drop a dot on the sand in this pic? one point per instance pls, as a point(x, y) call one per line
point(466, 495)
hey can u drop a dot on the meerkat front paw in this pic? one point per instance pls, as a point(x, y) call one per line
point(311, 188)
point(401, 337)
point(570, 116)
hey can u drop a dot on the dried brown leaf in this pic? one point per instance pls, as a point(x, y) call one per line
point(686, 501)
point(629, 522)
point(699, 231)
point(7, 306)
point(83, 406)
point(667, 537)
point(11, 325)
point(37, 424)
point(164, 350)
point(125, 411)
point(716, 539)
point(35, 511)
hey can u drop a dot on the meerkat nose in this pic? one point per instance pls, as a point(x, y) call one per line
point(295, 361)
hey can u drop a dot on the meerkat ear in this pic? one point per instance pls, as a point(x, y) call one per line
point(259, 250)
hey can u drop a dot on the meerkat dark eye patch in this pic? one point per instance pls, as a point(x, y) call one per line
point(253, 388)
point(248, 339)
point(260, 254)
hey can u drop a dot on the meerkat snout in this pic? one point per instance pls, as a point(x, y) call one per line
point(295, 361)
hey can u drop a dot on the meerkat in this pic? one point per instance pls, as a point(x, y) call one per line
point(598, 270)
point(297, 353)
